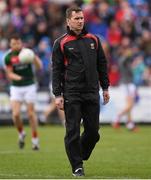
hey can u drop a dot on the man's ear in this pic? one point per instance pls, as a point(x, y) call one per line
point(67, 21)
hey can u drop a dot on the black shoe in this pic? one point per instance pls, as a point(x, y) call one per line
point(35, 147)
point(21, 142)
point(78, 172)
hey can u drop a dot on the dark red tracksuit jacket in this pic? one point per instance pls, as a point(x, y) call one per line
point(79, 64)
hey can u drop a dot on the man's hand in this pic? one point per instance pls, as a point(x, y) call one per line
point(106, 96)
point(59, 101)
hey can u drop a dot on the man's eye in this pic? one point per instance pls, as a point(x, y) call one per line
point(78, 18)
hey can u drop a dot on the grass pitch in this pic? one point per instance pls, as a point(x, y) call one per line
point(119, 154)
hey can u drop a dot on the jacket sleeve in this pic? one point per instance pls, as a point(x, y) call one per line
point(102, 67)
point(57, 69)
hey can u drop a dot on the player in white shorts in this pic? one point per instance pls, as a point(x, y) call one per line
point(130, 92)
point(25, 94)
point(22, 89)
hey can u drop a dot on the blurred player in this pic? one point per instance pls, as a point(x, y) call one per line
point(129, 90)
point(22, 89)
point(50, 109)
point(131, 97)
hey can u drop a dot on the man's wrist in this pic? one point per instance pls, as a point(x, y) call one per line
point(26, 78)
point(105, 89)
point(58, 96)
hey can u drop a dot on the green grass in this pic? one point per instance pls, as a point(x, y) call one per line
point(119, 154)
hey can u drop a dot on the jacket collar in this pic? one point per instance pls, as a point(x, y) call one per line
point(70, 32)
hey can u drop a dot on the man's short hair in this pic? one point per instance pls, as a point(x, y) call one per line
point(71, 9)
point(15, 36)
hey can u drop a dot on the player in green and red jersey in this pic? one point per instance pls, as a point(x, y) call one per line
point(22, 89)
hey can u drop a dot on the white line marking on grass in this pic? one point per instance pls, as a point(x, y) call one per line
point(25, 176)
point(8, 152)
point(40, 177)
point(15, 152)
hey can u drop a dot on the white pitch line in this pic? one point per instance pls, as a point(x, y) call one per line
point(14, 152)
point(24, 176)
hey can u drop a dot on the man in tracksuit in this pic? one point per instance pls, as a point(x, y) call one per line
point(79, 69)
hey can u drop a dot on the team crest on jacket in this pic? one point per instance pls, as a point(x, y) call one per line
point(92, 46)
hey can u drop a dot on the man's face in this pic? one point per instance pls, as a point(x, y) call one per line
point(16, 44)
point(76, 21)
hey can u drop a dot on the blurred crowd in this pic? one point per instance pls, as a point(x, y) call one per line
point(124, 27)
